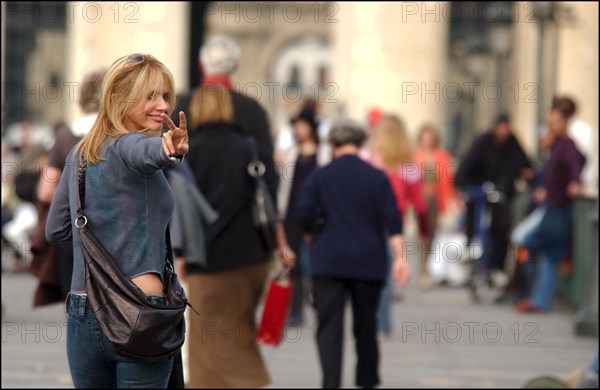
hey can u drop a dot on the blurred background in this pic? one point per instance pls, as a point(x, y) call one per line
point(457, 65)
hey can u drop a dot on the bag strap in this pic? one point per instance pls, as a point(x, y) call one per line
point(169, 262)
point(252, 142)
point(256, 168)
point(81, 194)
point(283, 274)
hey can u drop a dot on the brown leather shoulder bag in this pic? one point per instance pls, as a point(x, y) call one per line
point(137, 328)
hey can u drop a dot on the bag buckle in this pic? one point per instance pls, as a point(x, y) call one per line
point(85, 221)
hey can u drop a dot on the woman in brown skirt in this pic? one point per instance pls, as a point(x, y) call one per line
point(227, 287)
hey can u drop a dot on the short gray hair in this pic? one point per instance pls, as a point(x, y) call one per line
point(347, 131)
point(219, 55)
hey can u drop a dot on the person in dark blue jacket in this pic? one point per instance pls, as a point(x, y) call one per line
point(356, 206)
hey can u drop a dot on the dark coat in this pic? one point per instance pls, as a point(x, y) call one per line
point(359, 207)
point(219, 156)
point(249, 115)
point(44, 264)
point(487, 162)
point(52, 264)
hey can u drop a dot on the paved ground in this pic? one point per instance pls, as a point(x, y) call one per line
point(440, 339)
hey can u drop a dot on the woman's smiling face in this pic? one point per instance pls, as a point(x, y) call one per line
point(146, 114)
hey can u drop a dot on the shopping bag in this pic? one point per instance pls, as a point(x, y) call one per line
point(446, 258)
point(275, 310)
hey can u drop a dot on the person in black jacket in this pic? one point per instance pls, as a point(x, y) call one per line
point(495, 157)
point(226, 290)
point(218, 59)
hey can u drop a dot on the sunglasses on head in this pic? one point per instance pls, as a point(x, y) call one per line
point(137, 57)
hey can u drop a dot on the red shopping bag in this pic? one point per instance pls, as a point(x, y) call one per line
point(275, 310)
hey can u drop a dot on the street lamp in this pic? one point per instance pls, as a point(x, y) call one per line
point(499, 40)
point(545, 16)
point(544, 10)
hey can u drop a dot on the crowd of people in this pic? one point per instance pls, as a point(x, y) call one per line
point(343, 198)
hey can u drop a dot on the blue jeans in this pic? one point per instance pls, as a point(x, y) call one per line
point(594, 365)
point(551, 248)
point(304, 257)
point(92, 361)
point(384, 319)
point(547, 275)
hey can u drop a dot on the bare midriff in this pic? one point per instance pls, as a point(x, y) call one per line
point(150, 284)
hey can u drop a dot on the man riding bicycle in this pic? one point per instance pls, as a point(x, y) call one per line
point(495, 157)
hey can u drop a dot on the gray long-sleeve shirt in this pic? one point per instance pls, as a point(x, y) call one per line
point(128, 203)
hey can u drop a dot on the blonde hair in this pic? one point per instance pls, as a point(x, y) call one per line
point(129, 82)
point(209, 104)
point(391, 142)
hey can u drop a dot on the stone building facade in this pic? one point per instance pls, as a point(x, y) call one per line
point(450, 64)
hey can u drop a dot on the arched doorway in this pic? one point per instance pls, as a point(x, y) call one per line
point(300, 71)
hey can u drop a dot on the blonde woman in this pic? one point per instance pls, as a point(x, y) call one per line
point(226, 289)
point(129, 204)
point(392, 152)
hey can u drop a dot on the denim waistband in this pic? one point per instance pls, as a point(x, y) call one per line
point(79, 302)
